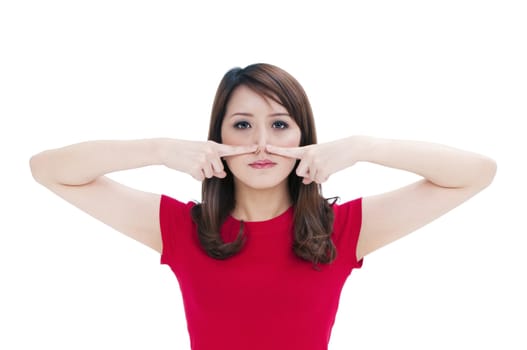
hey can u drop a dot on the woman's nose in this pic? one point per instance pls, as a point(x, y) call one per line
point(262, 139)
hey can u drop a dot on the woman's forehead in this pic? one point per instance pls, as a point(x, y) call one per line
point(245, 99)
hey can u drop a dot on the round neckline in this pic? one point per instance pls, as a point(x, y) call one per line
point(274, 220)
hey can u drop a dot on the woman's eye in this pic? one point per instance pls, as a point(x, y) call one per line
point(242, 125)
point(280, 124)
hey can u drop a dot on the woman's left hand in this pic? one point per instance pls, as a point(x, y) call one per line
point(319, 161)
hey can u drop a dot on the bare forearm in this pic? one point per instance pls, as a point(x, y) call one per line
point(442, 165)
point(83, 162)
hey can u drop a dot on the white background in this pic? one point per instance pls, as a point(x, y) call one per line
point(452, 72)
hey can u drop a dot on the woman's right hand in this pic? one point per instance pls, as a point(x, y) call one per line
point(200, 159)
point(77, 172)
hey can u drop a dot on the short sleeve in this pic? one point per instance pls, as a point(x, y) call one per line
point(346, 230)
point(176, 224)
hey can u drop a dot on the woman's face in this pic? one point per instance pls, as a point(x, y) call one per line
point(251, 119)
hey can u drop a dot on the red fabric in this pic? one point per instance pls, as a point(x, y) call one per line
point(264, 297)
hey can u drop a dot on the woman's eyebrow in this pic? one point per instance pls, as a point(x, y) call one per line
point(279, 114)
point(245, 114)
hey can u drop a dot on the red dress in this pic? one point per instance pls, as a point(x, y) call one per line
point(264, 297)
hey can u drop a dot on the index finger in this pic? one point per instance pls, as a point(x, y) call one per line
point(290, 152)
point(227, 150)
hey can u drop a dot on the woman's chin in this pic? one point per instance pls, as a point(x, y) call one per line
point(261, 183)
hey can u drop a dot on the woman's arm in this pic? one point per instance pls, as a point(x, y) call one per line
point(450, 177)
point(76, 173)
point(439, 164)
point(81, 163)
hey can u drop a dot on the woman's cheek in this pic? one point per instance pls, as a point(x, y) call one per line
point(290, 139)
point(236, 140)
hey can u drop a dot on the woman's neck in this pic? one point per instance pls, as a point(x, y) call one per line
point(260, 205)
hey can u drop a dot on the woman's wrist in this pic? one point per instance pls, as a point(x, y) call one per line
point(161, 150)
point(169, 152)
point(360, 148)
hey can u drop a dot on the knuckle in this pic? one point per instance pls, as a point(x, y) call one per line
point(197, 176)
point(310, 152)
point(202, 159)
point(209, 153)
point(196, 168)
point(317, 161)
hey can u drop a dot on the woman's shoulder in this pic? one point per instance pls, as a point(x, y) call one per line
point(348, 214)
point(172, 209)
point(346, 207)
point(172, 202)
point(346, 229)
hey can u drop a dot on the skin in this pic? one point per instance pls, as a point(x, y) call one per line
point(251, 119)
point(449, 176)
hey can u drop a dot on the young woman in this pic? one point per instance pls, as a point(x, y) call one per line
point(261, 261)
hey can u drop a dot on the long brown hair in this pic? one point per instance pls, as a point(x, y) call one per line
point(313, 216)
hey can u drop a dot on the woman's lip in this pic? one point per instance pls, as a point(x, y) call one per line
point(262, 164)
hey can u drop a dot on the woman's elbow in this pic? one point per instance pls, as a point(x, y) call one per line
point(486, 172)
point(37, 167)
